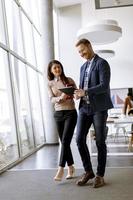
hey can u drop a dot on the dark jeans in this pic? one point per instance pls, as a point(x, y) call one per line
point(85, 121)
point(66, 122)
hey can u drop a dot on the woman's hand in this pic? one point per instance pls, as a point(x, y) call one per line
point(63, 96)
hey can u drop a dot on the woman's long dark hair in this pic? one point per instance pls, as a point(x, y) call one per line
point(51, 76)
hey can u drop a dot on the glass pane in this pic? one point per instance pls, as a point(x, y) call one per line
point(23, 110)
point(28, 40)
point(26, 6)
point(35, 13)
point(2, 31)
point(14, 28)
point(38, 50)
point(43, 93)
point(8, 139)
point(32, 8)
point(56, 34)
point(36, 107)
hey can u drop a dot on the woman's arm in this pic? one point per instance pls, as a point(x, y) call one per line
point(125, 106)
point(56, 99)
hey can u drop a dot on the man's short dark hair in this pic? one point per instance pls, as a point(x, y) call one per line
point(83, 41)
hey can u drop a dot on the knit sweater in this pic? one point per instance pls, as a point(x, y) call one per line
point(55, 95)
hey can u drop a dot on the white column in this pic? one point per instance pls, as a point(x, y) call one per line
point(48, 54)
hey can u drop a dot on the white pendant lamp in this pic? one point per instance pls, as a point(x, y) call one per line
point(101, 32)
point(105, 53)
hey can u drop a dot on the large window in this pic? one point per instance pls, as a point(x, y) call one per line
point(8, 137)
point(21, 117)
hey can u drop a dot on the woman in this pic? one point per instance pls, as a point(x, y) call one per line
point(65, 115)
point(128, 110)
point(128, 104)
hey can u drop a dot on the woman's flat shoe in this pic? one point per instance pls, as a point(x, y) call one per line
point(70, 173)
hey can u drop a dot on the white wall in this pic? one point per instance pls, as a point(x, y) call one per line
point(69, 22)
point(71, 19)
point(122, 63)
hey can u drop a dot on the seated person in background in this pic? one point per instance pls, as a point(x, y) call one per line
point(128, 104)
point(128, 110)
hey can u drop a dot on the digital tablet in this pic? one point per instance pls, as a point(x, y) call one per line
point(68, 90)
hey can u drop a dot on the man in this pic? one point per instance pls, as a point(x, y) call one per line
point(94, 94)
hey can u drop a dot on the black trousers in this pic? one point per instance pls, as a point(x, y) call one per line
point(66, 122)
point(85, 121)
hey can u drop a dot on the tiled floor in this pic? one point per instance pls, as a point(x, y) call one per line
point(47, 157)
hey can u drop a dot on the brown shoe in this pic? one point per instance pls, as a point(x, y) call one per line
point(85, 178)
point(98, 182)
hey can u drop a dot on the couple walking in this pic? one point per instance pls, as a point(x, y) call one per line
point(94, 95)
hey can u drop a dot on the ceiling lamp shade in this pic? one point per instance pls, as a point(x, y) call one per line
point(101, 32)
point(105, 53)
